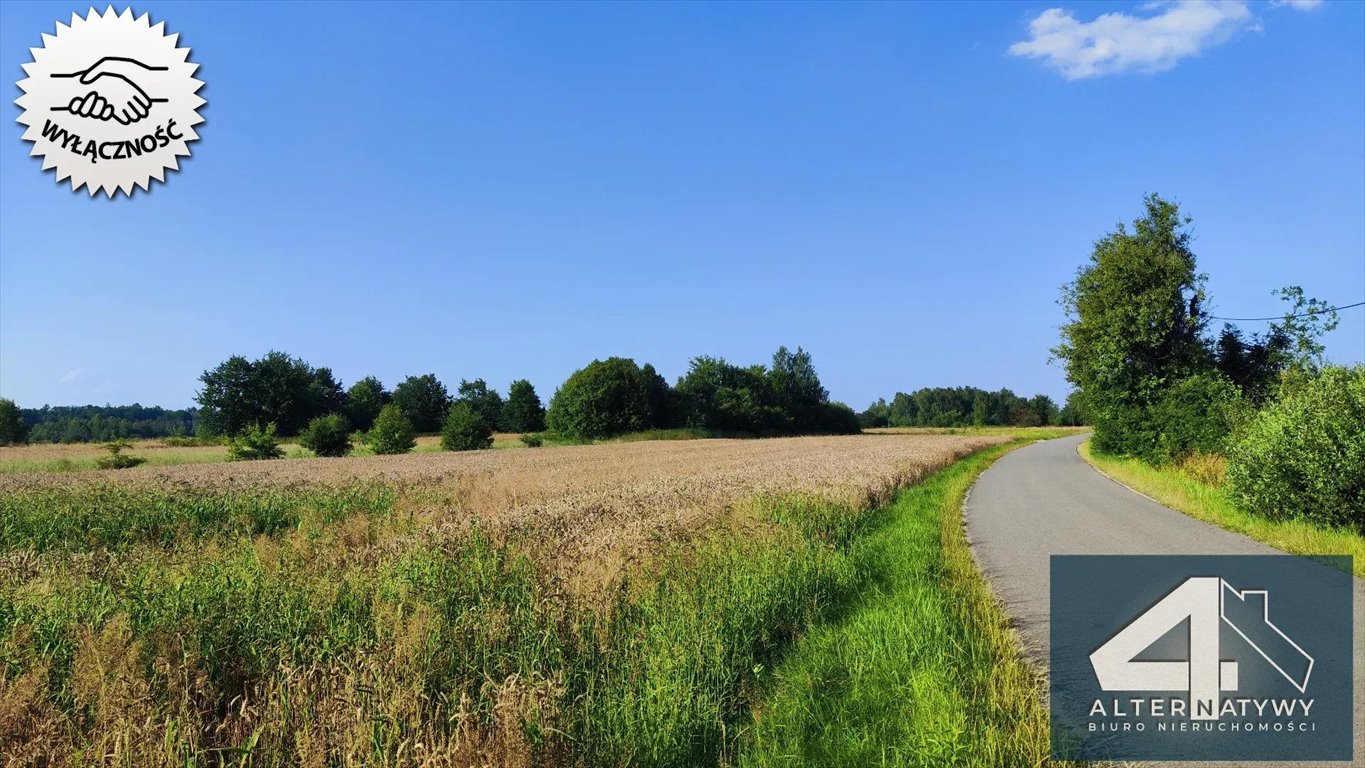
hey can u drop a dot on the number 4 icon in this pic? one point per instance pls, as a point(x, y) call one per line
point(1203, 600)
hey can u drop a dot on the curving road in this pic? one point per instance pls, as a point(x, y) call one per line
point(1043, 499)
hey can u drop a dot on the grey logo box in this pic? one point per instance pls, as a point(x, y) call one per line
point(1201, 657)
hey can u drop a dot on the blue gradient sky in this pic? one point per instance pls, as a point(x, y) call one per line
point(502, 191)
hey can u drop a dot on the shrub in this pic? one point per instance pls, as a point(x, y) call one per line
point(838, 419)
point(117, 459)
point(1123, 429)
point(465, 429)
point(327, 435)
point(532, 440)
point(1304, 455)
point(1194, 416)
point(255, 443)
point(392, 432)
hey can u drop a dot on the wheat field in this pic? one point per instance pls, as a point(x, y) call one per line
point(577, 605)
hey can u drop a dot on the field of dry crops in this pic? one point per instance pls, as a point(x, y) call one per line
point(590, 507)
point(425, 609)
point(80, 457)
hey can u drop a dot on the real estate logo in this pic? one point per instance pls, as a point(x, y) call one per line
point(1182, 658)
point(110, 102)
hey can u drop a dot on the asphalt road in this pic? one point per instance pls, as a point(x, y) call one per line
point(1043, 499)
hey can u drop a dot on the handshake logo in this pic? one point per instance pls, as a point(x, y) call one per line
point(114, 95)
point(110, 102)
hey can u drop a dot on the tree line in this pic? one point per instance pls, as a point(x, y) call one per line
point(968, 407)
point(290, 393)
point(93, 423)
point(287, 396)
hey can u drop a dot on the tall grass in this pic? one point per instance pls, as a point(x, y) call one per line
point(922, 668)
point(289, 628)
point(274, 626)
point(112, 517)
point(1194, 487)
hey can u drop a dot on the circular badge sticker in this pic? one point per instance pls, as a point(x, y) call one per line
point(109, 102)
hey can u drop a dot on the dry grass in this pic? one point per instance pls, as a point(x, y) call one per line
point(1208, 468)
point(588, 510)
point(80, 457)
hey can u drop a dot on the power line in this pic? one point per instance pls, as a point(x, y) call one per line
point(1287, 317)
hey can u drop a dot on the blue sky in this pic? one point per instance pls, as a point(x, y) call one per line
point(506, 191)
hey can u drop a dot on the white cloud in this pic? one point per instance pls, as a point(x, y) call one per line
point(1119, 42)
point(72, 376)
point(1298, 5)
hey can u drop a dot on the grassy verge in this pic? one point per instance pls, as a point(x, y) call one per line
point(922, 667)
point(1201, 500)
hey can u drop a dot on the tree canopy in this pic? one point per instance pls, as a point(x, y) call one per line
point(523, 411)
point(423, 400)
point(1135, 345)
point(276, 389)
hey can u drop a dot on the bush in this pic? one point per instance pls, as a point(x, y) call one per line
point(465, 429)
point(392, 432)
point(255, 443)
point(1194, 416)
point(327, 435)
point(838, 419)
point(1123, 430)
point(117, 459)
point(1304, 455)
point(532, 440)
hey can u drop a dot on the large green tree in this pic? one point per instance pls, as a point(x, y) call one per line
point(796, 388)
point(605, 398)
point(719, 396)
point(1134, 325)
point(13, 430)
point(276, 389)
point(485, 401)
point(523, 412)
point(364, 400)
point(424, 400)
point(662, 411)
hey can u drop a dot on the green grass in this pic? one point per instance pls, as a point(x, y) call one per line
point(1180, 491)
point(921, 668)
